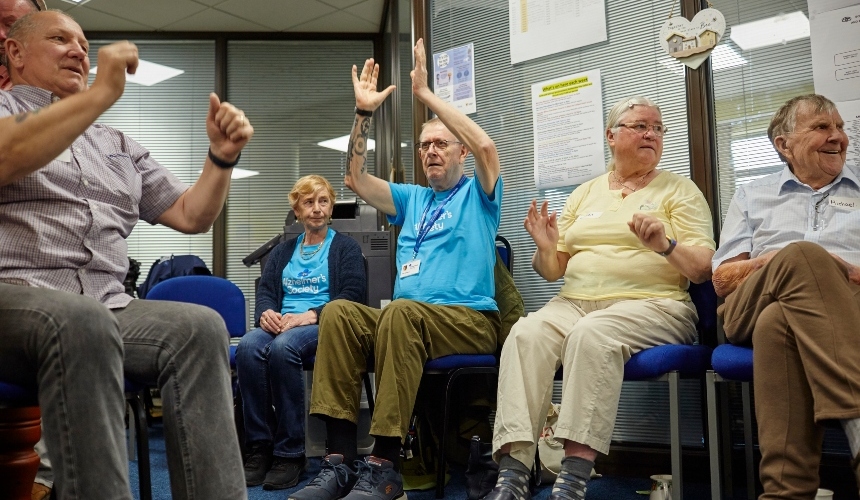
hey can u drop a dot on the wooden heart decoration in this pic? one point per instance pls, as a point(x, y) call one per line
point(691, 42)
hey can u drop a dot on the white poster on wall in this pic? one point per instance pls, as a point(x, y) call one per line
point(835, 40)
point(567, 114)
point(543, 27)
point(454, 77)
point(850, 113)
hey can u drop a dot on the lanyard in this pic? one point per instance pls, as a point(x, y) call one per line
point(424, 229)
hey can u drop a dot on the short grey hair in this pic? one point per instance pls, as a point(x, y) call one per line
point(24, 27)
point(785, 118)
point(613, 119)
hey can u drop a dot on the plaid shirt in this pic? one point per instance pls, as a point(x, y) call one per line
point(64, 226)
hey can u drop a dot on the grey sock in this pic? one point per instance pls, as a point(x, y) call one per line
point(513, 476)
point(571, 480)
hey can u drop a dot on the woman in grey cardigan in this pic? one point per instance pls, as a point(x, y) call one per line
point(301, 276)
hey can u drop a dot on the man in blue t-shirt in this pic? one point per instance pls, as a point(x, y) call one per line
point(444, 290)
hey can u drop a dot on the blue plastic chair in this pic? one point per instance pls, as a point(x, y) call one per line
point(670, 363)
point(211, 291)
point(455, 366)
point(731, 363)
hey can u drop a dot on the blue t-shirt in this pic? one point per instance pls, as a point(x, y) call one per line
point(305, 279)
point(459, 252)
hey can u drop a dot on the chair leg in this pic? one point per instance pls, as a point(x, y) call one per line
point(748, 446)
point(143, 465)
point(675, 430)
point(440, 461)
point(713, 435)
point(20, 429)
point(368, 388)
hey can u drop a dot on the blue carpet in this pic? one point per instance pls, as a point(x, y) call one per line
point(606, 488)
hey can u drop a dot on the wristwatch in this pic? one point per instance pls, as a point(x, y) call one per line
point(672, 244)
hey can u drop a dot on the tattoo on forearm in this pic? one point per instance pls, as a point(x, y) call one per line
point(23, 116)
point(358, 145)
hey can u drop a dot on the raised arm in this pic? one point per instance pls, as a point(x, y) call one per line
point(370, 188)
point(31, 140)
point(198, 207)
point(543, 228)
point(470, 134)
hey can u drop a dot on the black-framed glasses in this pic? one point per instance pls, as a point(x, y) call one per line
point(641, 128)
point(441, 145)
point(37, 4)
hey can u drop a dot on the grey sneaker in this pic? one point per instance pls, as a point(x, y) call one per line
point(377, 480)
point(334, 481)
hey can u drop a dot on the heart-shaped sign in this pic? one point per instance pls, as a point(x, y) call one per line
point(691, 42)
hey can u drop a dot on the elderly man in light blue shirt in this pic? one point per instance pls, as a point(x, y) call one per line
point(788, 267)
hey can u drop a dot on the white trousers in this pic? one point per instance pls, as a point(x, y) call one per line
point(593, 340)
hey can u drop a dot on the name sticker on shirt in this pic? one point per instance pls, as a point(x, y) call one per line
point(65, 156)
point(410, 268)
point(844, 202)
point(590, 215)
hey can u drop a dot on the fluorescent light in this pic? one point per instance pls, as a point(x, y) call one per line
point(239, 173)
point(342, 143)
point(771, 31)
point(149, 73)
point(725, 57)
point(77, 2)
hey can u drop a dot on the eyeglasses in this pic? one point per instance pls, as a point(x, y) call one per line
point(641, 128)
point(38, 4)
point(441, 145)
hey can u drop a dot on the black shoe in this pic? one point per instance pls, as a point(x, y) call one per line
point(284, 473)
point(334, 481)
point(257, 464)
point(511, 485)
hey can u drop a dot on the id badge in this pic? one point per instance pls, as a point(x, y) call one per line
point(410, 268)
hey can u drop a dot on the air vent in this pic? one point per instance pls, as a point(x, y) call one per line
point(379, 243)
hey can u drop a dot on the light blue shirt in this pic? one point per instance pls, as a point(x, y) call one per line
point(459, 252)
point(773, 211)
point(305, 279)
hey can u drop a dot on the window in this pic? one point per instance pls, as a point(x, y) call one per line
point(169, 119)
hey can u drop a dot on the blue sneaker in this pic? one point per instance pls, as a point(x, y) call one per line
point(377, 480)
point(334, 481)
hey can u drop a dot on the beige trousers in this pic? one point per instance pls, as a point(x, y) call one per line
point(593, 340)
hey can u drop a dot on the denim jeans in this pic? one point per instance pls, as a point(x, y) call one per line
point(183, 348)
point(69, 347)
point(75, 351)
point(270, 374)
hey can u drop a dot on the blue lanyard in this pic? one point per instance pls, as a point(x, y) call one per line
point(424, 229)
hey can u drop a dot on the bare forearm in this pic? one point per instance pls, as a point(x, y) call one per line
point(693, 262)
point(31, 140)
point(548, 264)
point(370, 188)
point(731, 274)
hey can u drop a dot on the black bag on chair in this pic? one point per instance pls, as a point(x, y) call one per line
point(481, 470)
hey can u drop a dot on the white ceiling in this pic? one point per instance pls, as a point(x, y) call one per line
point(319, 16)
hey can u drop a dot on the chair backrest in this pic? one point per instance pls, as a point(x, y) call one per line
point(210, 291)
point(705, 298)
point(503, 246)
